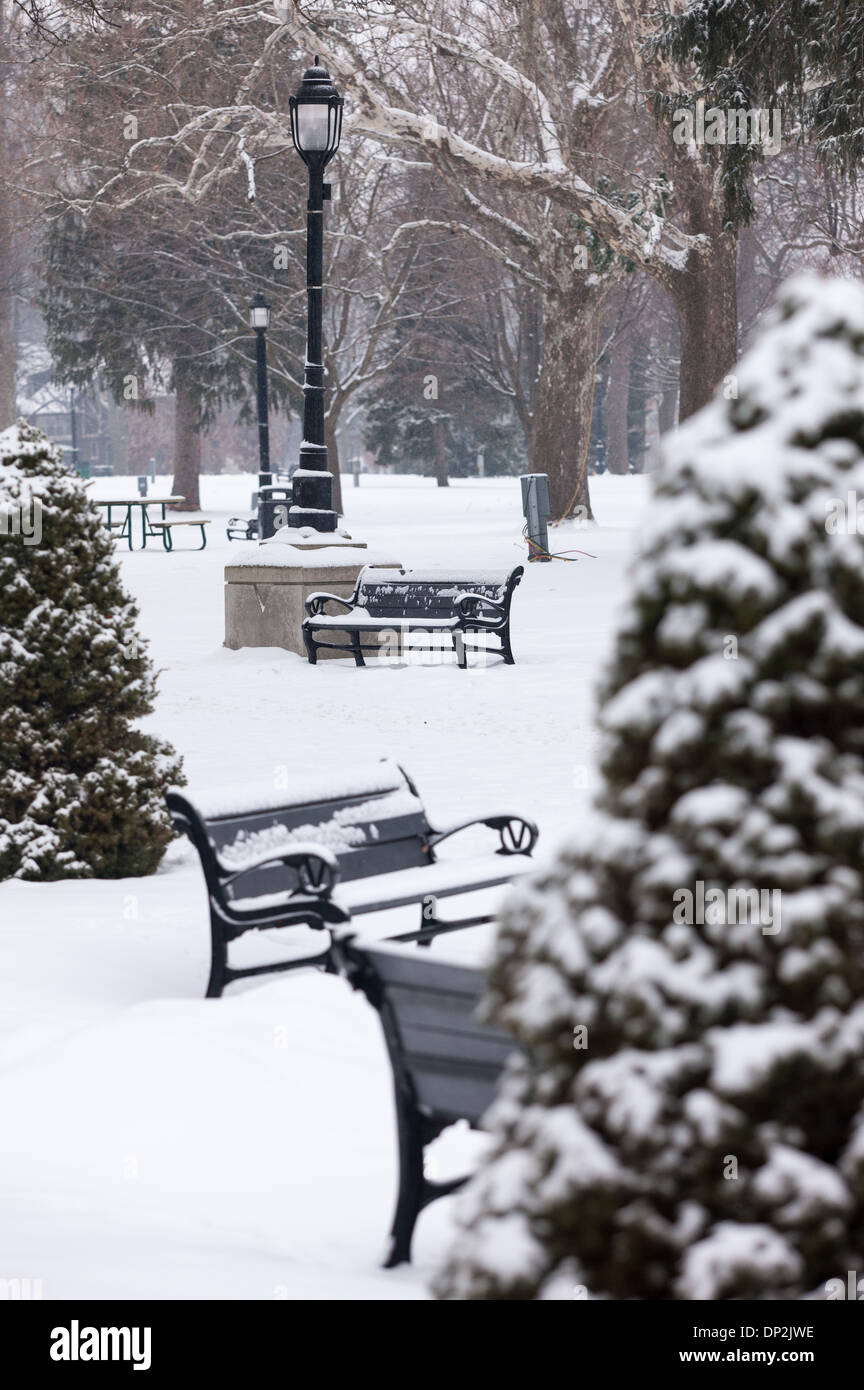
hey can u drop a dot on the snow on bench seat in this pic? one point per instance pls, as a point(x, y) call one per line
point(360, 617)
point(443, 879)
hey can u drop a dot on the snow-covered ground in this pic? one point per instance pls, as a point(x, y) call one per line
point(156, 1145)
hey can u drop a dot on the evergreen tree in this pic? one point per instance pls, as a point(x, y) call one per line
point(81, 789)
point(686, 1120)
point(802, 57)
point(445, 398)
point(412, 431)
point(151, 300)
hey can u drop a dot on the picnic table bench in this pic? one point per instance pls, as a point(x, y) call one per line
point(149, 525)
point(446, 1064)
point(329, 853)
point(403, 601)
point(167, 527)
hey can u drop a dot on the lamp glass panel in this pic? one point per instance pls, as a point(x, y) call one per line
point(260, 316)
point(313, 125)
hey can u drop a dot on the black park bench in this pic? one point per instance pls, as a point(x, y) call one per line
point(402, 601)
point(446, 1064)
point(328, 853)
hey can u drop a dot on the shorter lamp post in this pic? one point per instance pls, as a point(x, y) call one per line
point(316, 127)
point(259, 319)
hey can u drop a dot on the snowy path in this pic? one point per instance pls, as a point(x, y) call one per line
point(157, 1145)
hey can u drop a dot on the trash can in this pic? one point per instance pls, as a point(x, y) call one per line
point(274, 504)
point(536, 508)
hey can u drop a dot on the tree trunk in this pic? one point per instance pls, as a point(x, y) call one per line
point(187, 447)
point(8, 352)
point(707, 303)
point(562, 416)
point(749, 297)
point(637, 408)
point(440, 454)
point(617, 405)
point(331, 439)
point(666, 412)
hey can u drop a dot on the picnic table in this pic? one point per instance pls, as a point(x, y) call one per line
point(148, 527)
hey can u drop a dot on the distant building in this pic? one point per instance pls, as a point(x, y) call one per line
point(79, 421)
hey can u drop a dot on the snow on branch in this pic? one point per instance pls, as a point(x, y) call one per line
point(250, 168)
point(338, 35)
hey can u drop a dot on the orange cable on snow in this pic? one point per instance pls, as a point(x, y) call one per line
point(539, 552)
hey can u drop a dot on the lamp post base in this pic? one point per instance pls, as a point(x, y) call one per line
point(315, 517)
point(313, 492)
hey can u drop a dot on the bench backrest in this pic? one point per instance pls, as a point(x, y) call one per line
point(376, 825)
point(427, 593)
point(429, 1011)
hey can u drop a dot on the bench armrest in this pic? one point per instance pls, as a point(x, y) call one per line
point(317, 869)
point(467, 606)
point(518, 835)
point(316, 603)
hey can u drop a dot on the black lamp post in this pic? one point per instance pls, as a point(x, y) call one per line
point(259, 320)
point(316, 125)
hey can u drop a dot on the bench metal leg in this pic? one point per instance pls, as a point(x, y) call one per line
point(168, 539)
point(414, 1131)
point(409, 1202)
point(459, 645)
point(359, 659)
point(506, 649)
point(311, 649)
point(218, 962)
point(126, 529)
point(148, 530)
point(416, 1191)
point(428, 909)
point(222, 975)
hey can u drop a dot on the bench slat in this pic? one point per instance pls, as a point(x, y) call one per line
point(437, 1010)
point(431, 1047)
point(418, 601)
point(358, 620)
point(396, 966)
point(418, 594)
point(444, 879)
point(453, 1059)
point(456, 1097)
